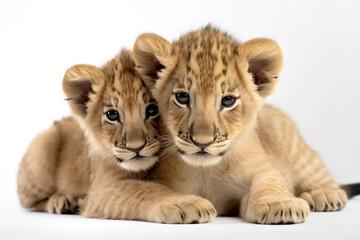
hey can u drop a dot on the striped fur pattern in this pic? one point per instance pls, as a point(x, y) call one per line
point(224, 143)
point(97, 162)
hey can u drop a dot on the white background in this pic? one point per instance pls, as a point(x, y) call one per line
point(318, 88)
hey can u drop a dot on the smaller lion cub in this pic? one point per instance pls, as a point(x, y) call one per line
point(96, 161)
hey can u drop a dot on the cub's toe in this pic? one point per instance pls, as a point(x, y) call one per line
point(325, 199)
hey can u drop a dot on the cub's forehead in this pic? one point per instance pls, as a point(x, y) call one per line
point(126, 91)
point(206, 58)
point(123, 85)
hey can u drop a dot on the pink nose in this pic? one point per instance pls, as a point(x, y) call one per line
point(135, 150)
point(202, 145)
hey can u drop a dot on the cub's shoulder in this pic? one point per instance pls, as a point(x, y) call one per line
point(272, 117)
point(268, 110)
point(69, 129)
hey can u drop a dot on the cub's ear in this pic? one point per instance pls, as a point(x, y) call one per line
point(263, 59)
point(78, 83)
point(151, 54)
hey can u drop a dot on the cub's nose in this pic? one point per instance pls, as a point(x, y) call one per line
point(202, 145)
point(135, 147)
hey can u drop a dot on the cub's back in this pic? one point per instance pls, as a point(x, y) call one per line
point(56, 157)
point(73, 173)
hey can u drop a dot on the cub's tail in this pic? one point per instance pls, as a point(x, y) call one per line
point(351, 189)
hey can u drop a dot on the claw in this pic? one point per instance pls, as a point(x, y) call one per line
point(326, 207)
point(68, 202)
point(207, 212)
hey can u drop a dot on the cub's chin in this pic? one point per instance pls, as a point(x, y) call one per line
point(201, 159)
point(138, 164)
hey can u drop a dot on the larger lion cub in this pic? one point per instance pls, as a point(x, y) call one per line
point(94, 161)
point(246, 157)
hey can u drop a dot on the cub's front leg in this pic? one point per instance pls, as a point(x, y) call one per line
point(60, 203)
point(146, 201)
point(270, 202)
point(177, 208)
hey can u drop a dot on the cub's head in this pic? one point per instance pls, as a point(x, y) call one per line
point(116, 112)
point(209, 88)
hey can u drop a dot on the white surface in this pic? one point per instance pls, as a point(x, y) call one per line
point(318, 88)
point(33, 225)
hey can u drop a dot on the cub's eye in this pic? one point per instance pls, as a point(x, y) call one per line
point(182, 97)
point(151, 110)
point(228, 101)
point(112, 115)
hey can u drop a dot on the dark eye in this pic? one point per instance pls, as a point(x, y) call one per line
point(151, 110)
point(112, 115)
point(228, 101)
point(182, 97)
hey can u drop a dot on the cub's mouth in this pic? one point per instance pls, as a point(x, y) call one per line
point(137, 159)
point(202, 153)
point(199, 158)
point(199, 154)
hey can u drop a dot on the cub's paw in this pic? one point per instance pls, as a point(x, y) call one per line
point(61, 204)
point(325, 199)
point(289, 211)
point(185, 209)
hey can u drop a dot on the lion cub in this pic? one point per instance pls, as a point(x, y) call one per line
point(94, 161)
point(246, 157)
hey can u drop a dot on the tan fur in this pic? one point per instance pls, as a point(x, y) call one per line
point(84, 162)
point(256, 163)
